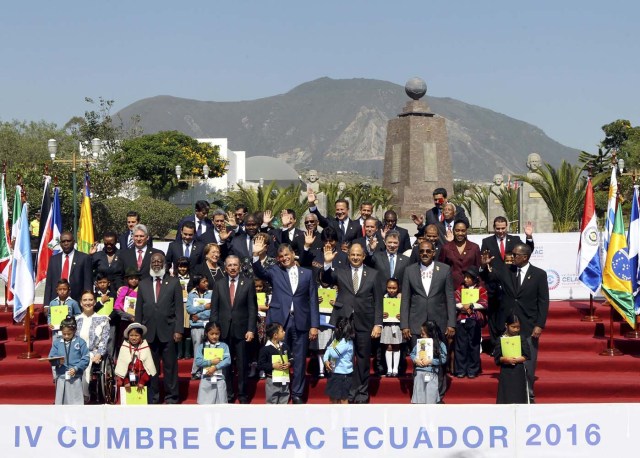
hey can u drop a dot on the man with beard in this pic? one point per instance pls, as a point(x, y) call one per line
point(427, 294)
point(159, 307)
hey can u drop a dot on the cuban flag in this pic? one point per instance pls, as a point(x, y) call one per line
point(589, 256)
point(633, 242)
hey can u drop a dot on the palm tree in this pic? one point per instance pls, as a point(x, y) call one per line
point(269, 197)
point(480, 196)
point(508, 198)
point(563, 191)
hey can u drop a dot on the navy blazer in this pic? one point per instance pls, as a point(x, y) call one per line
point(80, 276)
point(305, 299)
point(176, 250)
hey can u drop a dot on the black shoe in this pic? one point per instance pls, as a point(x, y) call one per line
point(361, 401)
point(243, 400)
point(460, 375)
point(472, 376)
point(297, 400)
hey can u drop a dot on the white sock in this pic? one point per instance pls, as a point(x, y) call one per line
point(320, 364)
point(396, 361)
point(388, 356)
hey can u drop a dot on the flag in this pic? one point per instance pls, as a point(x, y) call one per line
point(616, 274)
point(611, 209)
point(633, 242)
point(45, 206)
point(50, 240)
point(17, 208)
point(5, 236)
point(85, 231)
point(22, 284)
point(589, 256)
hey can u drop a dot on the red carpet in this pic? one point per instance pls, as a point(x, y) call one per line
point(569, 367)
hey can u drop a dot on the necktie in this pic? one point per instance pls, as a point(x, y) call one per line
point(363, 229)
point(519, 278)
point(139, 259)
point(250, 246)
point(199, 230)
point(392, 264)
point(187, 252)
point(356, 281)
point(502, 249)
point(232, 290)
point(130, 240)
point(441, 217)
point(158, 283)
point(65, 267)
point(342, 226)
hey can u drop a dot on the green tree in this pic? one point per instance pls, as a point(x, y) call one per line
point(563, 191)
point(378, 196)
point(152, 159)
point(480, 196)
point(268, 197)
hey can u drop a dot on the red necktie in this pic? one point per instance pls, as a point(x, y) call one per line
point(65, 267)
point(232, 290)
point(158, 283)
point(502, 248)
point(139, 259)
point(441, 216)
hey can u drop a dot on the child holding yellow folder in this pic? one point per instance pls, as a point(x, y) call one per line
point(512, 384)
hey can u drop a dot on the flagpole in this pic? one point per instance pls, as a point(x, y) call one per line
point(29, 354)
point(611, 350)
point(591, 317)
point(634, 333)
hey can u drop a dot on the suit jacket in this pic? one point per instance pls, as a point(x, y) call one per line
point(235, 321)
point(530, 302)
point(210, 237)
point(491, 244)
point(282, 236)
point(207, 222)
point(113, 271)
point(175, 250)
point(460, 262)
point(365, 305)
point(203, 269)
point(353, 227)
point(129, 258)
point(415, 255)
point(80, 276)
point(123, 241)
point(404, 240)
point(437, 304)
point(305, 298)
point(380, 262)
point(363, 241)
point(164, 317)
point(433, 216)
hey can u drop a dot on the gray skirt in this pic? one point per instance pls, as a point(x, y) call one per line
point(425, 392)
point(69, 392)
point(212, 393)
point(391, 334)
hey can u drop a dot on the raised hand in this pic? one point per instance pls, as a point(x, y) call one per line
point(311, 197)
point(449, 235)
point(329, 254)
point(267, 216)
point(285, 217)
point(528, 229)
point(309, 238)
point(373, 243)
point(486, 258)
point(258, 246)
point(224, 233)
point(231, 216)
point(417, 219)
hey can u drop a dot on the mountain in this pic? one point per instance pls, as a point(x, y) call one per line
point(332, 125)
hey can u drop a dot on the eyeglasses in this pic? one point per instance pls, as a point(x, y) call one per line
point(309, 222)
point(428, 251)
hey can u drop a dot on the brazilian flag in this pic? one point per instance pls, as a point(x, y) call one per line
point(616, 275)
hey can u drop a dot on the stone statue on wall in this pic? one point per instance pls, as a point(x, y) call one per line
point(312, 182)
point(534, 161)
point(498, 181)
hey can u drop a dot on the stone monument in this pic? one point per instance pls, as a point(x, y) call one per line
point(417, 158)
point(495, 208)
point(534, 207)
point(313, 184)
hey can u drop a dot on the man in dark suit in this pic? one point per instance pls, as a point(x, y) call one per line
point(72, 265)
point(366, 211)
point(125, 240)
point(390, 263)
point(185, 247)
point(525, 293)
point(427, 294)
point(497, 245)
point(430, 234)
point(289, 233)
point(373, 240)
point(315, 248)
point(139, 255)
point(294, 304)
point(390, 224)
point(220, 233)
point(241, 245)
point(160, 308)
point(235, 307)
point(347, 229)
point(199, 219)
point(435, 215)
point(360, 293)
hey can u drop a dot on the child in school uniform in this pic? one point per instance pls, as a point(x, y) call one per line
point(325, 333)
point(125, 304)
point(213, 388)
point(72, 359)
point(425, 381)
point(261, 286)
point(276, 392)
point(469, 326)
point(391, 336)
point(106, 301)
point(135, 364)
point(199, 310)
point(62, 289)
point(512, 383)
point(338, 360)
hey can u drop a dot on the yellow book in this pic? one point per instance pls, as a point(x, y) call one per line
point(391, 305)
point(58, 313)
point(280, 376)
point(327, 295)
point(262, 299)
point(107, 308)
point(511, 346)
point(469, 295)
point(133, 397)
point(211, 353)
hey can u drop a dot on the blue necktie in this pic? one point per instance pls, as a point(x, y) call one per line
point(392, 264)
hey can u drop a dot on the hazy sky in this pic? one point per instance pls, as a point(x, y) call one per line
point(565, 66)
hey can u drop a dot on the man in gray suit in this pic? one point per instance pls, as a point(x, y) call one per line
point(427, 294)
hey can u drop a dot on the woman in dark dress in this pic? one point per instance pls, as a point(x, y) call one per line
point(211, 266)
point(512, 383)
point(108, 262)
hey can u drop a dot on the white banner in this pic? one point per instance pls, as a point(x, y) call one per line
point(319, 430)
point(557, 254)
